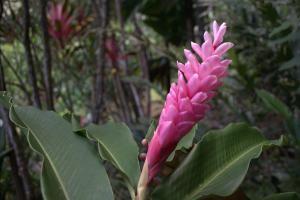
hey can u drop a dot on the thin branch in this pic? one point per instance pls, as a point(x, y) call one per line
point(136, 98)
point(120, 92)
point(101, 11)
point(28, 55)
point(47, 68)
point(143, 60)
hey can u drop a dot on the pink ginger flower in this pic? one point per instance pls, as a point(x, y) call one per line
point(187, 101)
point(60, 22)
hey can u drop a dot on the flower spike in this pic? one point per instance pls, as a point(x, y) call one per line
point(187, 100)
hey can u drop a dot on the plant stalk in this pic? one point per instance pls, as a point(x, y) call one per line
point(133, 90)
point(47, 68)
point(102, 19)
point(28, 55)
point(142, 189)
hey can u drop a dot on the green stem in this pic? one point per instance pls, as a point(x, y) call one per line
point(142, 189)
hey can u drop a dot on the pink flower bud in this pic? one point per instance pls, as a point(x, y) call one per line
point(187, 100)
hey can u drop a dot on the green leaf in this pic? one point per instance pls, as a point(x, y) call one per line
point(71, 168)
point(284, 196)
point(75, 121)
point(151, 130)
point(290, 64)
point(216, 165)
point(268, 11)
point(285, 25)
point(117, 145)
point(185, 143)
point(274, 103)
point(5, 99)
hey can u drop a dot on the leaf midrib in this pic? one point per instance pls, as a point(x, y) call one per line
point(111, 155)
point(51, 163)
point(213, 177)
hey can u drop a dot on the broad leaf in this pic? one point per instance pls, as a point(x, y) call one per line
point(117, 145)
point(237, 195)
point(71, 168)
point(284, 196)
point(75, 122)
point(216, 165)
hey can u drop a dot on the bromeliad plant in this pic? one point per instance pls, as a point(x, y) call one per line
point(64, 22)
point(72, 168)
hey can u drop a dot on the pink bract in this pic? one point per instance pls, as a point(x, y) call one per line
point(60, 22)
point(187, 100)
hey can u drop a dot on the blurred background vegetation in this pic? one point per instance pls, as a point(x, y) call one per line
point(114, 60)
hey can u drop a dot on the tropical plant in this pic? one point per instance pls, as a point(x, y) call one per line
point(73, 155)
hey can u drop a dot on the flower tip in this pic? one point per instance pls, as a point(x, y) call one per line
point(226, 62)
point(193, 44)
point(187, 53)
point(207, 37)
point(215, 27)
point(215, 24)
point(180, 65)
point(223, 25)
